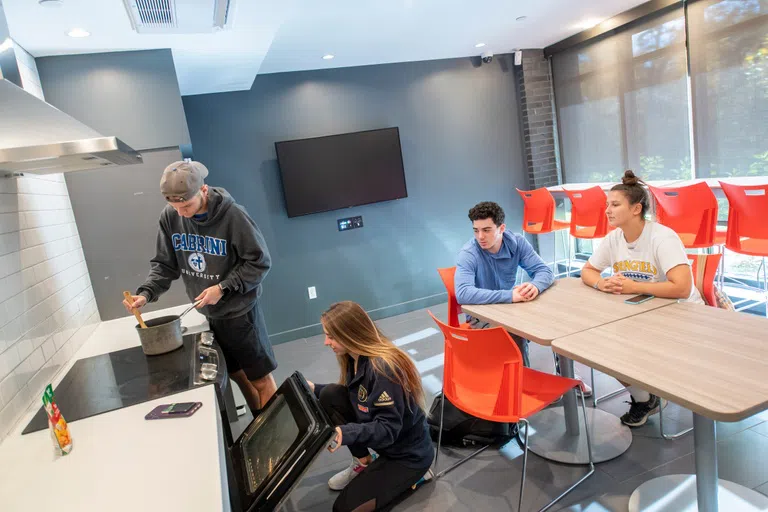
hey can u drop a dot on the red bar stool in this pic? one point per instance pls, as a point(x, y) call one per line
point(747, 227)
point(539, 219)
point(589, 222)
point(690, 211)
point(588, 219)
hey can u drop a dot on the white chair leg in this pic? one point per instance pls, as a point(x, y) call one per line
point(525, 462)
point(596, 399)
point(670, 437)
point(589, 451)
point(554, 253)
point(439, 443)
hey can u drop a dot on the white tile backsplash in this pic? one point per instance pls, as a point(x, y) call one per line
point(47, 306)
point(10, 242)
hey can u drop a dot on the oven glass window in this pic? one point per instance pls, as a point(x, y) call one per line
point(267, 442)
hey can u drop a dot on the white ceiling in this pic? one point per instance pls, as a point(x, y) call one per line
point(293, 35)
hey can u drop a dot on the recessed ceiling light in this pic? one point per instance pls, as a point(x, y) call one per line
point(521, 18)
point(328, 57)
point(78, 32)
point(479, 45)
point(50, 3)
point(588, 24)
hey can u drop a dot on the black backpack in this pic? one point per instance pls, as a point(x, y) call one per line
point(462, 429)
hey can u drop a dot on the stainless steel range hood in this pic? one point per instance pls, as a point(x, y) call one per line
point(37, 137)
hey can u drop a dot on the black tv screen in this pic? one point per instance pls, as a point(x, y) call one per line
point(339, 171)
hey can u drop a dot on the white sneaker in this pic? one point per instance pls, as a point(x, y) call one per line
point(341, 479)
point(428, 476)
point(587, 387)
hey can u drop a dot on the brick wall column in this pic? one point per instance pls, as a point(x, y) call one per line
point(538, 119)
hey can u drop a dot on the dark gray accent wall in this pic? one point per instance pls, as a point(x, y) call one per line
point(132, 95)
point(461, 144)
point(117, 212)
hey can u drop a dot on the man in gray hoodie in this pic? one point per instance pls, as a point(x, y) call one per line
point(222, 258)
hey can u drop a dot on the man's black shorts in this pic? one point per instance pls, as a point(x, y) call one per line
point(245, 343)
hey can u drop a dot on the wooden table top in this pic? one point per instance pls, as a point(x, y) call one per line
point(711, 361)
point(567, 307)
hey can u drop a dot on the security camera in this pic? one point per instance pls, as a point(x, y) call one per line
point(487, 57)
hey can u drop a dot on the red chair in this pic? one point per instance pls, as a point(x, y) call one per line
point(588, 219)
point(484, 376)
point(691, 212)
point(747, 226)
point(539, 219)
point(704, 268)
point(454, 309)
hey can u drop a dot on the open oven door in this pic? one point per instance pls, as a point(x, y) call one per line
point(274, 451)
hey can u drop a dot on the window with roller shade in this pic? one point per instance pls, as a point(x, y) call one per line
point(729, 74)
point(622, 103)
point(729, 83)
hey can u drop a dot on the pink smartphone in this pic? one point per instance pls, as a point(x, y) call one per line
point(177, 410)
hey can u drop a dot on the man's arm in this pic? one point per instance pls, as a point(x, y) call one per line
point(542, 276)
point(251, 248)
point(464, 282)
point(164, 268)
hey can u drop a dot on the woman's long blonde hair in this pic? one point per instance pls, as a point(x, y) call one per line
point(348, 324)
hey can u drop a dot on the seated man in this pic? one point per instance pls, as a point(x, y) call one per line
point(487, 268)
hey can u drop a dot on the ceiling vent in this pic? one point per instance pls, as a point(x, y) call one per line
point(179, 16)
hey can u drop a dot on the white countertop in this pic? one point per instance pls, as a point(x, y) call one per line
point(119, 460)
point(122, 462)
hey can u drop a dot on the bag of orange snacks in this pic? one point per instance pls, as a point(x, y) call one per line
point(62, 440)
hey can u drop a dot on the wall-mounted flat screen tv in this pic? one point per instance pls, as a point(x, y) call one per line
point(338, 171)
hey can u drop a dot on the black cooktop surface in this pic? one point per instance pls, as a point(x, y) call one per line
point(100, 384)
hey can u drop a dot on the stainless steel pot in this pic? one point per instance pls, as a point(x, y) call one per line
point(162, 334)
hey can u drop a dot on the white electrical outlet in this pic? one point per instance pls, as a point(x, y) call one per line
point(312, 292)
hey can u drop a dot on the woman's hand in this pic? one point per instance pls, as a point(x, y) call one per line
point(613, 284)
point(620, 285)
point(311, 385)
point(337, 440)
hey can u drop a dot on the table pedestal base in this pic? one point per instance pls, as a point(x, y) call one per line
point(548, 437)
point(677, 493)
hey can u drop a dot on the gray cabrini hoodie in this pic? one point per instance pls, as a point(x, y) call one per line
point(226, 247)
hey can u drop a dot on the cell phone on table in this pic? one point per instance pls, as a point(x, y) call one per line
point(639, 299)
point(175, 410)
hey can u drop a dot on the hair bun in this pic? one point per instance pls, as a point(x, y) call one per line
point(629, 179)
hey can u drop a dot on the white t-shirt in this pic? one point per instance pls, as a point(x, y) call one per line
point(647, 259)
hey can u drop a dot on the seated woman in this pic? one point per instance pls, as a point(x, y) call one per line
point(377, 404)
point(646, 258)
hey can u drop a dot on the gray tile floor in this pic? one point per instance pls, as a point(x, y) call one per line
point(491, 481)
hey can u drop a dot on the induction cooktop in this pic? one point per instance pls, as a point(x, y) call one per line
point(103, 383)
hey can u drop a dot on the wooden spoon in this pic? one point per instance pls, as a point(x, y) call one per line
point(135, 311)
